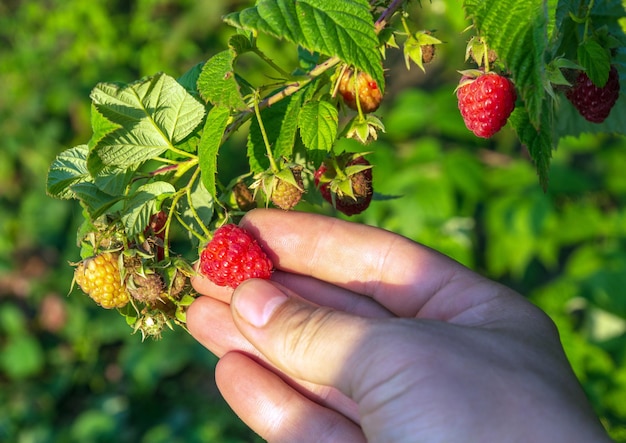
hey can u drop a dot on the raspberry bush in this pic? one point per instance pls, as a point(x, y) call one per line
point(149, 177)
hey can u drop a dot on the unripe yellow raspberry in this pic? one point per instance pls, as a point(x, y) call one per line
point(99, 277)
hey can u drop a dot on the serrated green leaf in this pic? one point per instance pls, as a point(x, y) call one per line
point(112, 180)
point(241, 43)
point(281, 123)
point(318, 123)
point(217, 83)
point(67, 169)
point(100, 125)
point(334, 28)
point(153, 114)
point(127, 149)
point(210, 144)
point(159, 101)
point(596, 60)
point(93, 199)
point(189, 80)
point(142, 204)
point(538, 142)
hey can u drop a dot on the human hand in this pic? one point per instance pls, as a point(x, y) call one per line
point(363, 335)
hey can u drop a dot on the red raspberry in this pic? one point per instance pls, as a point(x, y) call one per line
point(594, 103)
point(233, 256)
point(350, 193)
point(486, 103)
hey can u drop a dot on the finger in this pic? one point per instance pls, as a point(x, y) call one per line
point(314, 290)
point(399, 274)
point(210, 322)
point(276, 411)
point(206, 287)
point(316, 344)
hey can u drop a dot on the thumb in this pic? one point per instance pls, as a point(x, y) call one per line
point(308, 342)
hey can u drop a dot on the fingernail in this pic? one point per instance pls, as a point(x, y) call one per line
point(257, 300)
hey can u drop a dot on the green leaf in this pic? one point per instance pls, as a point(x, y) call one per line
point(241, 43)
point(517, 31)
point(538, 141)
point(142, 204)
point(318, 125)
point(210, 144)
point(189, 80)
point(113, 180)
point(67, 169)
point(217, 83)
point(344, 29)
point(197, 210)
point(153, 114)
point(281, 123)
point(95, 201)
point(127, 149)
point(100, 125)
point(596, 60)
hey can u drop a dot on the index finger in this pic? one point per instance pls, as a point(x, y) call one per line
point(397, 272)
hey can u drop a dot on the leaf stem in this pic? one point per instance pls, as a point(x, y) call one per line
point(266, 140)
point(270, 62)
point(386, 15)
point(192, 180)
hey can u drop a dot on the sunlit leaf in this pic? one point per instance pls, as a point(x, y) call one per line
point(335, 28)
point(217, 83)
point(67, 169)
point(210, 144)
point(142, 204)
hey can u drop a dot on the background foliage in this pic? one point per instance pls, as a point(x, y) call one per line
point(70, 371)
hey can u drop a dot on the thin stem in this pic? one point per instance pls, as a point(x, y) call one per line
point(194, 177)
point(386, 15)
point(587, 20)
point(270, 62)
point(181, 152)
point(266, 140)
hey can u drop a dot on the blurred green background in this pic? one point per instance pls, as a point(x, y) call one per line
point(70, 371)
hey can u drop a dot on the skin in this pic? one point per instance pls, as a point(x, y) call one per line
point(363, 335)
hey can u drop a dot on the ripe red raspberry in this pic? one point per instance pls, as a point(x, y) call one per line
point(233, 256)
point(594, 103)
point(361, 87)
point(486, 103)
point(348, 187)
point(99, 277)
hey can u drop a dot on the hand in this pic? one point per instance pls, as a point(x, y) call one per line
point(363, 335)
